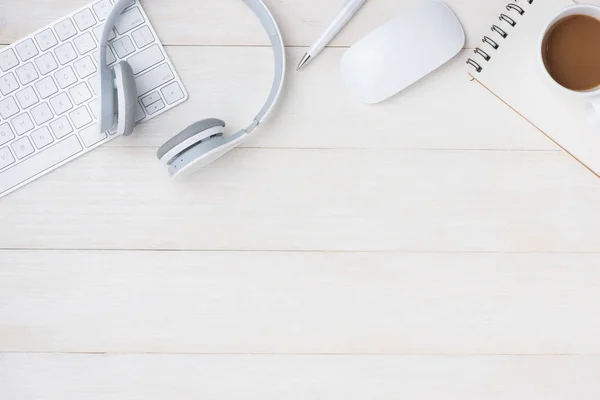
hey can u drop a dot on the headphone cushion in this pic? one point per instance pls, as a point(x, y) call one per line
point(199, 129)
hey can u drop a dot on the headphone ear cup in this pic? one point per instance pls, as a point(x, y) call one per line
point(189, 137)
point(126, 98)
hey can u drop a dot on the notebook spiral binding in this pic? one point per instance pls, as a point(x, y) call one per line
point(500, 32)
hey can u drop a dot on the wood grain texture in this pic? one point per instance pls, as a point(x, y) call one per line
point(255, 302)
point(275, 199)
point(231, 23)
point(129, 377)
point(444, 111)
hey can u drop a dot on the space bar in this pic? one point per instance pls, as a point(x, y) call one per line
point(39, 163)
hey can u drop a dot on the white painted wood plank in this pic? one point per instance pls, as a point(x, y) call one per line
point(124, 377)
point(255, 302)
point(443, 111)
point(229, 22)
point(356, 200)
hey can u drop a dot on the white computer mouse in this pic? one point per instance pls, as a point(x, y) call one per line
point(401, 52)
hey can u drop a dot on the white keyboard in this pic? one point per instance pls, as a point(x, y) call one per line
point(48, 89)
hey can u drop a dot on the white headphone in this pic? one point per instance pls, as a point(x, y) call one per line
point(202, 142)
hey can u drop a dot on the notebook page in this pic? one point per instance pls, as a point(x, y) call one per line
point(514, 75)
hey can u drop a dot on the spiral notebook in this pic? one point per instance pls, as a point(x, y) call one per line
point(506, 65)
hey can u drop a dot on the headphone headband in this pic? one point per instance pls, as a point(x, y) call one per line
point(263, 14)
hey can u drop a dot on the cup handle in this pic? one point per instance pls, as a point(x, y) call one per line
point(593, 112)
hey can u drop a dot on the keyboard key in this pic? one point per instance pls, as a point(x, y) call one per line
point(123, 47)
point(22, 147)
point(110, 56)
point(97, 31)
point(46, 63)
point(151, 98)
point(94, 84)
point(80, 93)
point(129, 20)
point(41, 114)
point(61, 127)
point(22, 123)
point(142, 37)
point(8, 107)
point(46, 87)
point(42, 137)
point(102, 9)
point(172, 93)
point(27, 97)
point(46, 39)
point(8, 60)
point(145, 59)
point(65, 29)
point(84, 67)
point(80, 117)
point(61, 103)
point(153, 79)
point(65, 77)
point(84, 19)
point(92, 135)
point(94, 106)
point(6, 134)
point(155, 107)
point(40, 162)
point(65, 53)
point(26, 49)
point(139, 113)
point(27, 73)
point(84, 43)
point(8, 84)
point(6, 157)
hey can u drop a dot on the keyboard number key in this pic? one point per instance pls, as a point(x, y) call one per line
point(65, 29)
point(123, 47)
point(61, 127)
point(26, 49)
point(6, 157)
point(8, 60)
point(46, 39)
point(22, 123)
point(27, 97)
point(84, 67)
point(27, 73)
point(46, 63)
point(46, 87)
point(102, 9)
point(22, 147)
point(41, 114)
point(84, 19)
point(80, 117)
point(84, 43)
point(65, 53)
point(8, 84)
point(8, 107)
point(172, 93)
point(6, 134)
point(65, 77)
point(129, 20)
point(42, 137)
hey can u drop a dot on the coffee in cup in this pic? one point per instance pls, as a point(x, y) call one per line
point(571, 52)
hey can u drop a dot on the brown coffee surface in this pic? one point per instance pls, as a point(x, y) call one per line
point(572, 53)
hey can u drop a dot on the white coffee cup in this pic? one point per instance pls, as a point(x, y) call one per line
point(591, 96)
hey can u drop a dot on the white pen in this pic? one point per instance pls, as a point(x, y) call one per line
point(347, 12)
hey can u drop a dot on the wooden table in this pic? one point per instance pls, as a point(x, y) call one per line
point(435, 246)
